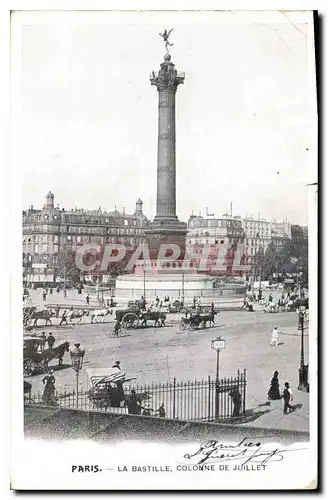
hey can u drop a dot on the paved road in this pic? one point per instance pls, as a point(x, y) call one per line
point(158, 355)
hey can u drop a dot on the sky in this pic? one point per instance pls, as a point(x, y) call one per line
point(85, 114)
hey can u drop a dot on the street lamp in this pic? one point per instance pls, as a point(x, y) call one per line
point(77, 356)
point(303, 384)
point(218, 344)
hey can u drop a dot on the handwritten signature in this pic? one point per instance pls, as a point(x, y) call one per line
point(245, 451)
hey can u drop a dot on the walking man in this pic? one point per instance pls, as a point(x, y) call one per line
point(274, 337)
point(44, 295)
point(51, 340)
point(288, 396)
point(63, 318)
point(87, 299)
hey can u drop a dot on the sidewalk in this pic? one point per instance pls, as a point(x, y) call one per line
point(274, 418)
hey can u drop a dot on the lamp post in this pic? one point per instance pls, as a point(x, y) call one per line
point(144, 282)
point(77, 356)
point(218, 344)
point(303, 384)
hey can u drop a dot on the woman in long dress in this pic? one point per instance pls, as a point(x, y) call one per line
point(273, 392)
point(48, 395)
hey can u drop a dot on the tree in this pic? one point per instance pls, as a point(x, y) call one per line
point(65, 266)
point(291, 258)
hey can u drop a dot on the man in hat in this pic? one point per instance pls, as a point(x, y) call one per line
point(43, 336)
point(133, 404)
point(51, 340)
point(288, 396)
point(117, 365)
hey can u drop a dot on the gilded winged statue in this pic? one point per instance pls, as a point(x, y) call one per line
point(165, 35)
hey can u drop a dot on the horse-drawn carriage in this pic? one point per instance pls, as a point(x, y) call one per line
point(36, 357)
point(194, 320)
point(134, 317)
point(33, 354)
point(106, 390)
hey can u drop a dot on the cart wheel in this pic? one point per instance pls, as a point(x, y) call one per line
point(182, 325)
point(29, 367)
point(112, 335)
point(207, 309)
point(130, 320)
point(192, 326)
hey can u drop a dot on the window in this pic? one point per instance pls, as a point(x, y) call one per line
point(55, 239)
point(69, 238)
point(44, 248)
point(126, 222)
point(78, 239)
point(36, 249)
point(56, 248)
point(222, 241)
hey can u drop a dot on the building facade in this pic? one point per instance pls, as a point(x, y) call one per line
point(255, 234)
point(51, 230)
point(219, 235)
point(280, 233)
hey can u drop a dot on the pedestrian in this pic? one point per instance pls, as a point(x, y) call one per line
point(43, 336)
point(107, 303)
point(87, 299)
point(236, 400)
point(147, 409)
point(194, 302)
point(63, 318)
point(274, 337)
point(65, 292)
point(51, 291)
point(44, 295)
point(288, 396)
point(117, 365)
point(273, 392)
point(133, 404)
point(51, 340)
point(49, 390)
point(161, 411)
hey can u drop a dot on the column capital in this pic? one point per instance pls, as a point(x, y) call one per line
point(167, 78)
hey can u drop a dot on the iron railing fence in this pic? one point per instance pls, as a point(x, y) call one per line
point(205, 400)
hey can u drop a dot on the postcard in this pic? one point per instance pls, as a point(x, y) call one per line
point(164, 298)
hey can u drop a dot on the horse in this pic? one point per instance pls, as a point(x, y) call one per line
point(157, 316)
point(77, 315)
point(100, 313)
point(270, 307)
point(208, 318)
point(55, 352)
point(46, 314)
point(201, 319)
